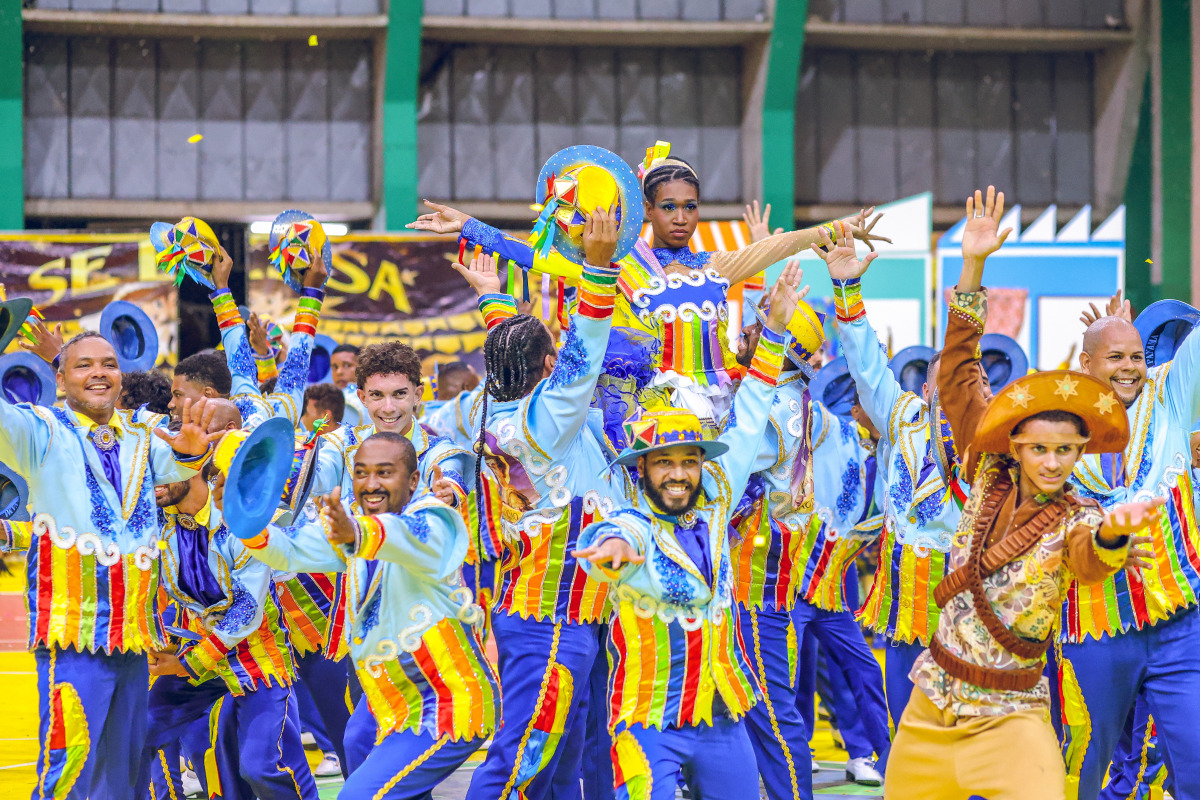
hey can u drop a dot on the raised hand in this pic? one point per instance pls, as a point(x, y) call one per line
point(759, 225)
point(981, 237)
point(335, 520)
point(481, 274)
point(444, 219)
point(259, 339)
point(442, 487)
point(859, 228)
point(316, 274)
point(1131, 519)
point(46, 344)
point(193, 438)
point(612, 552)
point(600, 237)
point(839, 256)
point(786, 294)
point(222, 266)
point(1115, 308)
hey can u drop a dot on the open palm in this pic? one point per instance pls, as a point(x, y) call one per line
point(839, 256)
point(982, 236)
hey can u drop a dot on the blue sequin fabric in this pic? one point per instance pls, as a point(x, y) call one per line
point(102, 515)
point(145, 513)
point(241, 610)
point(294, 374)
point(851, 486)
point(484, 235)
point(241, 360)
point(417, 526)
point(684, 255)
point(676, 589)
point(572, 361)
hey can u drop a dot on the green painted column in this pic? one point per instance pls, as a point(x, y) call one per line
point(400, 79)
point(1175, 102)
point(779, 108)
point(1139, 208)
point(12, 116)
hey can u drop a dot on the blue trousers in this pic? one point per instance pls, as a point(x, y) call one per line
point(325, 682)
point(777, 731)
point(1163, 663)
point(165, 781)
point(597, 764)
point(713, 760)
point(1138, 762)
point(407, 766)
point(845, 649)
point(98, 711)
point(271, 757)
point(535, 654)
point(898, 661)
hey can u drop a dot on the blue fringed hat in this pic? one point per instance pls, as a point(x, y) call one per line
point(132, 334)
point(256, 465)
point(26, 378)
point(574, 181)
point(663, 428)
point(297, 238)
point(910, 366)
point(320, 363)
point(14, 496)
point(1163, 326)
point(834, 387)
point(1003, 360)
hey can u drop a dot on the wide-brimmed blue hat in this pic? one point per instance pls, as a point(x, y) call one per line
point(1003, 360)
point(14, 496)
point(297, 238)
point(575, 181)
point(132, 334)
point(834, 387)
point(26, 378)
point(320, 362)
point(1163, 326)
point(911, 365)
point(13, 314)
point(256, 466)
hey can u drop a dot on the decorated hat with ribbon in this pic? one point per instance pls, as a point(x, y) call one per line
point(807, 329)
point(256, 465)
point(1003, 359)
point(573, 183)
point(132, 334)
point(297, 240)
point(15, 317)
point(1055, 390)
point(14, 496)
point(834, 387)
point(27, 378)
point(189, 247)
point(663, 428)
point(1163, 326)
point(320, 363)
point(910, 366)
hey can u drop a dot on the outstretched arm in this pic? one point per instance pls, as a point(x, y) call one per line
point(427, 538)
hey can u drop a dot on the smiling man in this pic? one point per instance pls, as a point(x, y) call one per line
point(91, 472)
point(431, 697)
point(1136, 633)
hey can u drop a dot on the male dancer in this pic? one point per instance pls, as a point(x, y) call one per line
point(92, 568)
point(1136, 632)
point(680, 681)
point(227, 600)
point(412, 629)
point(552, 480)
point(920, 512)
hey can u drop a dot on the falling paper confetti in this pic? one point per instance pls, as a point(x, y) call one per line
point(195, 137)
point(312, 40)
point(1149, 261)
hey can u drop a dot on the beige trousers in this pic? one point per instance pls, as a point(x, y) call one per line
point(938, 756)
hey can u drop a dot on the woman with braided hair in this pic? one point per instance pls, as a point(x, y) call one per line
point(551, 474)
point(676, 295)
point(978, 721)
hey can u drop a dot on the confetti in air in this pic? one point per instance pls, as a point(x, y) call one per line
point(312, 40)
point(195, 137)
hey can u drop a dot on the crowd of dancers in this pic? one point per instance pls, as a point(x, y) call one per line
point(659, 532)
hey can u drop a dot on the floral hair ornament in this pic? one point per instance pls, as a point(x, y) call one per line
point(189, 247)
point(297, 240)
point(660, 156)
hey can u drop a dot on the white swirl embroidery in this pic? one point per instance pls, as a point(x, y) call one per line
point(89, 544)
point(509, 439)
point(468, 610)
point(690, 618)
point(410, 637)
point(556, 479)
point(385, 650)
point(593, 501)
